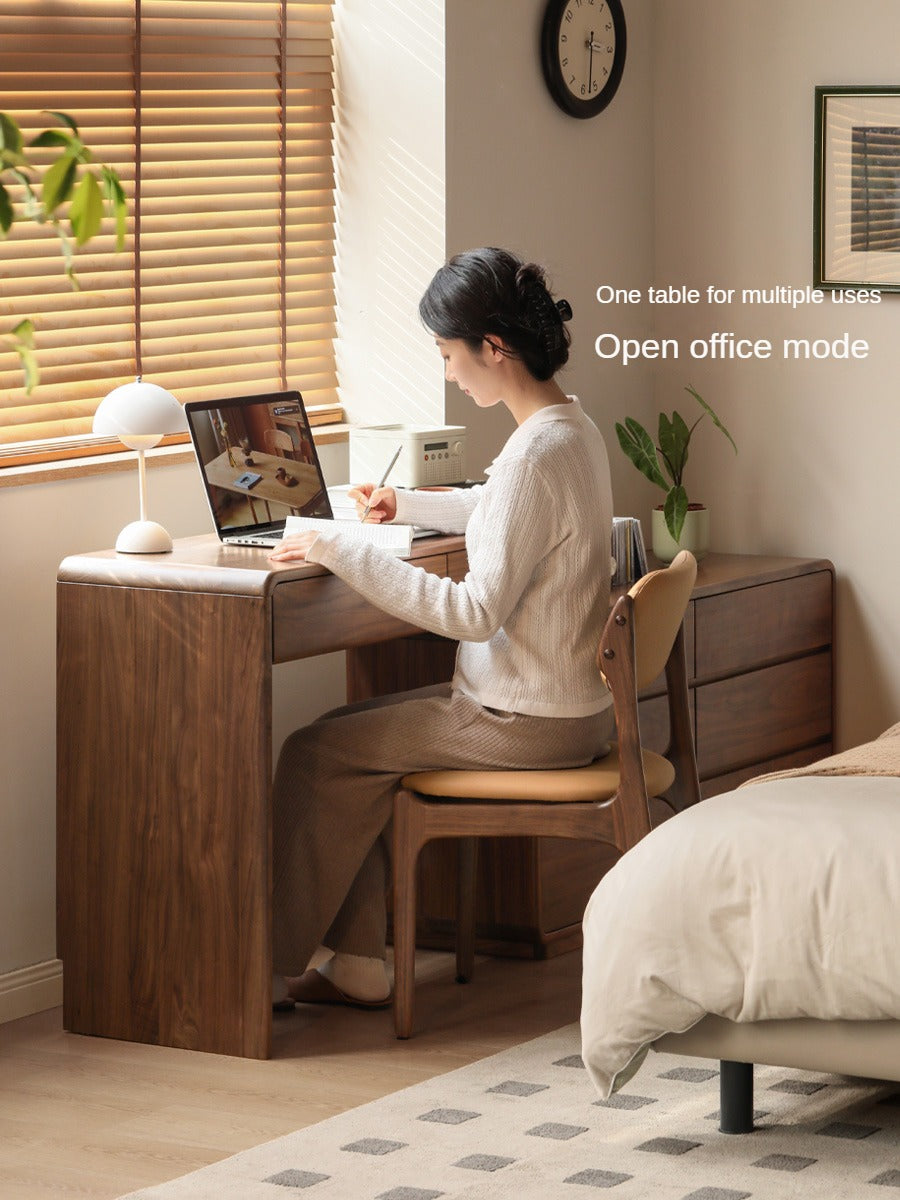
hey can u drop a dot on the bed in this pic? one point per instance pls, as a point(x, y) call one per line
point(758, 926)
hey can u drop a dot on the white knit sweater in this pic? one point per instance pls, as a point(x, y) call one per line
point(529, 613)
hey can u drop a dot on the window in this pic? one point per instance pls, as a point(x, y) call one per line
point(218, 117)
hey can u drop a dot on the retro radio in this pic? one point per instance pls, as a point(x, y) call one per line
point(430, 455)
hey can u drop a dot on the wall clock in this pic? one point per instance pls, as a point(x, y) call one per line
point(583, 53)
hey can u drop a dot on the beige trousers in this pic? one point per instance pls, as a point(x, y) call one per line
point(333, 800)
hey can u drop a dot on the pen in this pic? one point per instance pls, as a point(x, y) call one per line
point(387, 472)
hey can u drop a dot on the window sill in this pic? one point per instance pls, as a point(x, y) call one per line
point(123, 460)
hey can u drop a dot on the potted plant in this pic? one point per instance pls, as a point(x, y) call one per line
point(677, 523)
point(70, 185)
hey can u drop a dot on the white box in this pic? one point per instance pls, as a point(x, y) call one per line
point(430, 455)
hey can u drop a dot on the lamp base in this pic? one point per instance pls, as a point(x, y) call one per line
point(143, 537)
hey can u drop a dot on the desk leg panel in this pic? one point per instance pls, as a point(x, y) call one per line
point(164, 831)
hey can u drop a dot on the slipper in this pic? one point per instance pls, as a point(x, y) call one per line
point(313, 988)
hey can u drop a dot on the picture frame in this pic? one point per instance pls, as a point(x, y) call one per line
point(856, 210)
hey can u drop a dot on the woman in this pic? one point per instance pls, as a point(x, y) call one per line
point(526, 691)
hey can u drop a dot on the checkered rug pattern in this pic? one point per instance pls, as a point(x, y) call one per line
point(526, 1124)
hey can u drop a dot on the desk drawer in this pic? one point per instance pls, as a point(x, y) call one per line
point(322, 613)
point(738, 630)
point(763, 714)
point(457, 565)
point(653, 714)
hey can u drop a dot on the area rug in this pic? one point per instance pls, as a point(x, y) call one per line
point(526, 1124)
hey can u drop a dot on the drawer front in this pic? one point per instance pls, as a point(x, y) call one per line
point(786, 762)
point(457, 565)
point(763, 714)
point(322, 613)
point(736, 631)
point(653, 715)
point(569, 871)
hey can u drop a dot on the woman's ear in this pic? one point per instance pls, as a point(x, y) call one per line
point(497, 348)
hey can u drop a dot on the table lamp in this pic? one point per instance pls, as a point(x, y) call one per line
point(140, 414)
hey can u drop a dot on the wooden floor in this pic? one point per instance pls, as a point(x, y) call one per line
point(95, 1119)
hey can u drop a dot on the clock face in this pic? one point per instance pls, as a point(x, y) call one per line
point(583, 53)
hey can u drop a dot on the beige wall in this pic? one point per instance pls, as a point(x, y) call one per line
point(816, 473)
point(575, 195)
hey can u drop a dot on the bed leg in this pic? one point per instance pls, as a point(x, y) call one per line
point(735, 1097)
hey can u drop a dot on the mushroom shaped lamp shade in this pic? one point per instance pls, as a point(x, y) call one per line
point(140, 414)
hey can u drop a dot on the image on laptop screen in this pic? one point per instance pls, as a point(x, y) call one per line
point(258, 461)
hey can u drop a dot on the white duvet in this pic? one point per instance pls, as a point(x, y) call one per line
point(776, 901)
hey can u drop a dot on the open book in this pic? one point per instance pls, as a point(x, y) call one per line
point(396, 539)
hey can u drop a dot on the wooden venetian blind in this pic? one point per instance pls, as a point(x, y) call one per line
point(218, 117)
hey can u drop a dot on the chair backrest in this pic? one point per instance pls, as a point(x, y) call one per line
point(660, 600)
point(276, 440)
point(641, 639)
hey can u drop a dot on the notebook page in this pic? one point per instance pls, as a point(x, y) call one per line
point(397, 539)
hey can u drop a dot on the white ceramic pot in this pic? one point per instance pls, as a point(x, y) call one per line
point(694, 534)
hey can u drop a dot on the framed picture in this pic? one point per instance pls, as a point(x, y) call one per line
point(856, 216)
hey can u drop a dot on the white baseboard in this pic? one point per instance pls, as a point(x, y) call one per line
point(31, 990)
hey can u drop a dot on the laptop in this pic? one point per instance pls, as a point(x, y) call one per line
point(259, 465)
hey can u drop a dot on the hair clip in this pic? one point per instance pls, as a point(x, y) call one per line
point(564, 308)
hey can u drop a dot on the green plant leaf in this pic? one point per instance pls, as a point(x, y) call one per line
point(10, 134)
point(68, 252)
point(21, 342)
point(52, 137)
point(29, 367)
point(86, 209)
point(24, 331)
point(31, 206)
point(115, 198)
point(715, 420)
point(64, 118)
point(674, 438)
point(10, 161)
point(58, 182)
point(639, 447)
point(7, 216)
point(675, 511)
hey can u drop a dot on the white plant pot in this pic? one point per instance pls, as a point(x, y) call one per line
point(694, 534)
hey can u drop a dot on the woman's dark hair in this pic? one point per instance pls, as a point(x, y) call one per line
point(490, 291)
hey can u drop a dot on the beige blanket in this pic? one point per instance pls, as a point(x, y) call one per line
point(769, 906)
point(881, 757)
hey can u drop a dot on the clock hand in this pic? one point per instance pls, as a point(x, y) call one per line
point(590, 60)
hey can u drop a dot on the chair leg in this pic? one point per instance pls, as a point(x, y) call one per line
point(465, 909)
point(407, 843)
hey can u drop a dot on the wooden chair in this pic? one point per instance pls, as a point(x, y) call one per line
point(277, 442)
point(607, 800)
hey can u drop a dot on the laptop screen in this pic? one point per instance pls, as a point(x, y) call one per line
point(258, 461)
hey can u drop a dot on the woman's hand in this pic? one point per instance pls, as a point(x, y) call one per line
point(293, 548)
point(382, 502)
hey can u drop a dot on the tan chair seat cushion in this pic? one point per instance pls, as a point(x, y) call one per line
point(599, 780)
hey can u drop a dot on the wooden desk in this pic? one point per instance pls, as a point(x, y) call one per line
point(164, 765)
point(164, 740)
